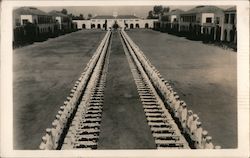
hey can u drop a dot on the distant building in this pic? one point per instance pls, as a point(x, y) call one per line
point(205, 16)
point(170, 20)
point(107, 21)
point(63, 21)
point(25, 15)
point(100, 21)
point(172, 16)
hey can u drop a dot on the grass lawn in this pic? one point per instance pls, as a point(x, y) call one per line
point(204, 76)
point(43, 74)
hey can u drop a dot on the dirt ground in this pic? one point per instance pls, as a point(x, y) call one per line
point(204, 76)
point(44, 73)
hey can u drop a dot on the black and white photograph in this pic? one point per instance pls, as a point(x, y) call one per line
point(123, 77)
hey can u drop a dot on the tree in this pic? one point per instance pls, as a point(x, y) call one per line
point(89, 16)
point(71, 15)
point(81, 17)
point(150, 15)
point(165, 10)
point(64, 11)
point(158, 9)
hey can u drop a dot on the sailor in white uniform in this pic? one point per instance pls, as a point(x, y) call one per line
point(209, 144)
point(193, 124)
point(197, 136)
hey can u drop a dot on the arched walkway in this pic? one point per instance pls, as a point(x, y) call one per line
point(146, 25)
point(98, 26)
point(92, 26)
point(131, 26)
point(83, 26)
point(137, 26)
point(232, 35)
point(218, 33)
point(225, 35)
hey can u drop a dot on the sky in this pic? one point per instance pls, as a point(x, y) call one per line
point(139, 11)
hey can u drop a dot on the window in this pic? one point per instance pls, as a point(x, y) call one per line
point(232, 18)
point(208, 20)
point(226, 18)
point(193, 18)
point(198, 20)
point(25, 21)
point(217, 20)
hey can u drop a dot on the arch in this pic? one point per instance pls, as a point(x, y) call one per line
point(212, 33)
point(98, 26)
point(137, 25)
point(131, 26)
point(84, 26)
point(50, 30)
point(218, 33)
point(126, 25)
point(225, 35)
point(92, 26)
point(38, 30)
point(232, 33)
point(146, 25)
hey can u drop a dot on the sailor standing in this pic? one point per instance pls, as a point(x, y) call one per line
point(203, 140)
point(43, 145)
point(209, 144)
point(180, 108)
point(197, 137)
point(184, 116)
point(49, 138)
point(193, 124)
point(189, 119)
point(176, 105)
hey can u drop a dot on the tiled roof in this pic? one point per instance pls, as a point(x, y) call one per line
point(29, 11)
point(104, 17)
point(57, 13)
point(126, 17)
point(231, 9)
point(203, 9)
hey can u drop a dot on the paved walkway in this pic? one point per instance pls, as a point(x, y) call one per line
point(123, 123)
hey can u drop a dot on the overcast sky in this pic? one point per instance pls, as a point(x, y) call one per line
point(140, 11)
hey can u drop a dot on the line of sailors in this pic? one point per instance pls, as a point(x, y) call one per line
point(52, 137)
point(188, 120)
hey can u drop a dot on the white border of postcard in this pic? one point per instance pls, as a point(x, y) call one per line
point(242, 81)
